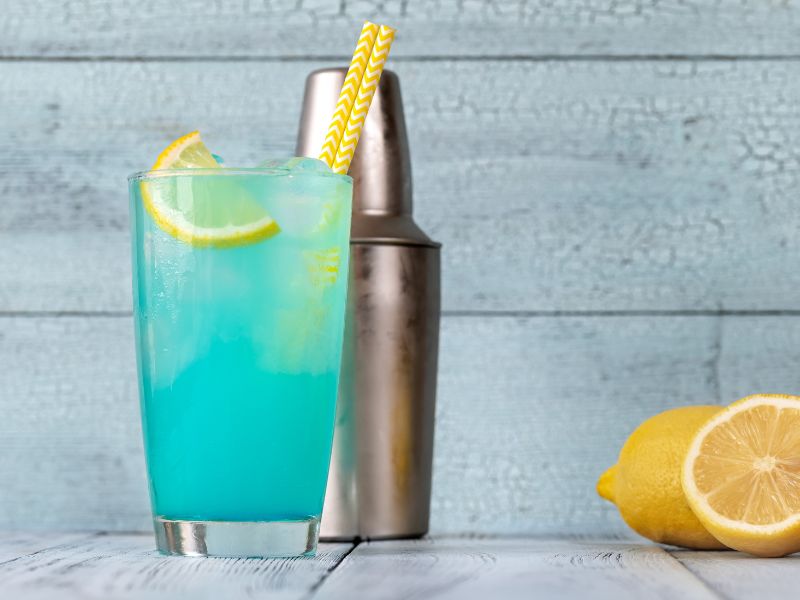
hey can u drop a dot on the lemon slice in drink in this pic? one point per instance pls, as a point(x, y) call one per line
point(218, 213)
point(741, 475)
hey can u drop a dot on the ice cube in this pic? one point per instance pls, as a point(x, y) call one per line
point(274, 163)
point(298, 202)
point(304, 163)
point(296, 163)
point(297, 215)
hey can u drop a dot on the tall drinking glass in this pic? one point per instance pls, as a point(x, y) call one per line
point(239, 336)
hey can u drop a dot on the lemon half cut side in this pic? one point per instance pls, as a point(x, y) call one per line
point(741, 475)
point(218, 213)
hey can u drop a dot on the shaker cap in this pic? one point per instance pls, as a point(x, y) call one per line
point(381, 166)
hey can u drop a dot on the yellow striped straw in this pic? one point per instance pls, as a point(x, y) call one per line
point(349, 90)
point(358, 114)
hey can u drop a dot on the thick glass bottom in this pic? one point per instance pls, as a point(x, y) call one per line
point(241, 539)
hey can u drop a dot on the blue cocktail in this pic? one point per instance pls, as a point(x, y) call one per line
point(240, 280)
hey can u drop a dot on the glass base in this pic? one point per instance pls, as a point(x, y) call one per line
point(240, 539)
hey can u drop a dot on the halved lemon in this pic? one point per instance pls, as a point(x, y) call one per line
point(741, 475)
point(217, 212)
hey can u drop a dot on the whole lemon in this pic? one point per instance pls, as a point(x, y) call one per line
point(645, 484)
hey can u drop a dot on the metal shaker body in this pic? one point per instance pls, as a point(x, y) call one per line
point(380, 479)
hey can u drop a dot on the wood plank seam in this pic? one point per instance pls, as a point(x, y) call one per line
point(315, 588)
point(700, 581)
point(478, 314)
point(428, 58)
point(527, 28)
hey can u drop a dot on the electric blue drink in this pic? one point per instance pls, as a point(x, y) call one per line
point(240, 281)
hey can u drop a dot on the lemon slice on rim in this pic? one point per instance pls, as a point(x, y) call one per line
point(741, 475)
point(217, 213)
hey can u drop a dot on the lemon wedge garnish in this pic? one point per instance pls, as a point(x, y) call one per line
point(208, 211)
point(741, 475)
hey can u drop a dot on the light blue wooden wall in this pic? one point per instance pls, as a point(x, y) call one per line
point(615, 184)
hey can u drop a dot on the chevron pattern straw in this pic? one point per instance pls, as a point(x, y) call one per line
point(347, 96)
point(358, 114)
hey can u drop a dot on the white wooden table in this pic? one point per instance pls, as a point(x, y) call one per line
point(124, 566)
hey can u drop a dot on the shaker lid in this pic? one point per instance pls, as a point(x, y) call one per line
point(381, 166)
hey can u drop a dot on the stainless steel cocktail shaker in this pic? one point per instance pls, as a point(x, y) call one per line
point(380, 478)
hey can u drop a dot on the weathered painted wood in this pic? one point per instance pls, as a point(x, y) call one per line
point(126, 566)
point(530, 411)
point(555, 186)
point(770, 364)
point(14, 544)
point(475, 568)
point(539, 27)
point(70, 443)
point(741, 577)
point(79, 271)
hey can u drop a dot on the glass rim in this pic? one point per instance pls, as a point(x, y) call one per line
point(234, 171)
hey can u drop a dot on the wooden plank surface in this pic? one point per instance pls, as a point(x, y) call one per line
point(531, 410)
point(14, 544)
point(738, 576)
point(558, 186)
point(120, 566)
point(467, 569)
point(478, 28)
point(55, 566)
